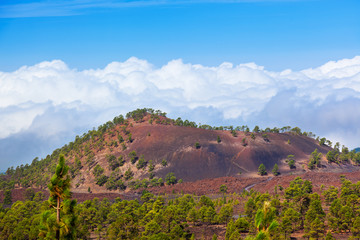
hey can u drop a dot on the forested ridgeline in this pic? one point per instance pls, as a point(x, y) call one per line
point(297, 211)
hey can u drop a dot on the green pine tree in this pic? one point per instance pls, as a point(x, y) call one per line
point(329, 236)
point(265, 222)
point(317, 229)
point(262, 170)
point(59, 222)
point(355, 230)
point(275, 170)
point(7, 197)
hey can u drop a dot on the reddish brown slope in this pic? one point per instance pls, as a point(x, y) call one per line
point(229, 157)
point(176, 145)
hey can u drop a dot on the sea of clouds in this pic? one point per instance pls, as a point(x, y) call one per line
point(46, 105)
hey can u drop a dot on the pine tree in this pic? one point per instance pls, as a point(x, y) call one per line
point(275, 170)
point(230, 229)
point(262, 170)
point(7, 197)
point(355, 230)
point(314, 160)
point(317, 229)
point(192, 216)
point(329, 236)
point(59, 222)
point(265, 222)
point(286, 226)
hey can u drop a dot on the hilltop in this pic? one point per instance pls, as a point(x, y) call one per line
point(147, 149)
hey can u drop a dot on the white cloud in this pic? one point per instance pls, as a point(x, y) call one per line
point(18, 118)
point(46, 96)
point(335, 69)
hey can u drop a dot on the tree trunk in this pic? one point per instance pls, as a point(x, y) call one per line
point(58, 218)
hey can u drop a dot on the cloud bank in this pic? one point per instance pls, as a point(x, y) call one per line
point(49, 103)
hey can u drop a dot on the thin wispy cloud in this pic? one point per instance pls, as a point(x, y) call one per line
point(78, 7)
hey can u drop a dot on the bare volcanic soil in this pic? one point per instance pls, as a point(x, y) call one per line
point(211, 160)
point(231, 156)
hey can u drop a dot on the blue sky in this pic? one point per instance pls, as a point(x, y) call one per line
point(90, 34)
point(69, 66)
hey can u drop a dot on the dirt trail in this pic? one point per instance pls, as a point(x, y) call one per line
point(237, 165)
point(247, 188)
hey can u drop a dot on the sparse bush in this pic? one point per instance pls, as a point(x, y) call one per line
point(244, 143)
point(161, 182)
point(133, 157)
point(113, 162)
point(120, 138)
point(78, 163)
point(114, 184)
point(252, 135)
point(265, 137)
point(121, 161)
point(151, 166)
point(123, 146)
point(128, 174)
point(223, 188)
point(141, 163)
point(290, 159)
point(101, 180)
point(170, 179)
point(233, 133)
point(98, 170)
point(292, 164)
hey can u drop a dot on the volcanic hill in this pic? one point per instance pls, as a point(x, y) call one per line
point(138, 150)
